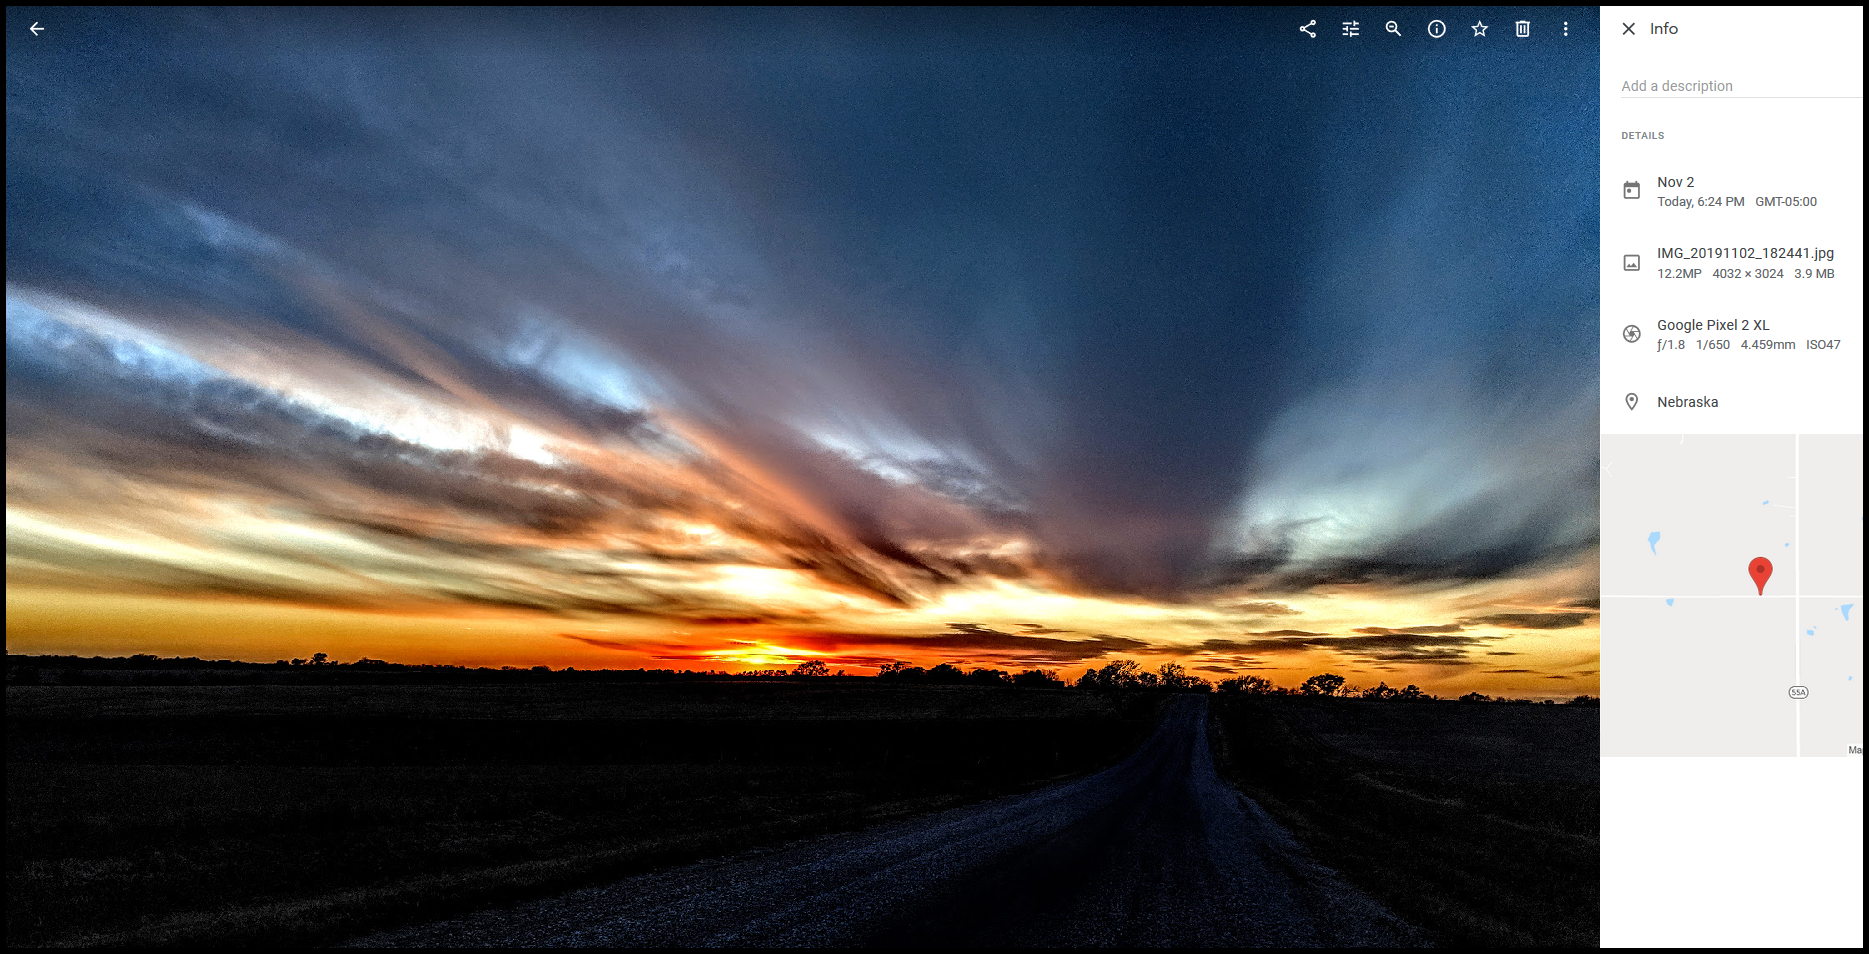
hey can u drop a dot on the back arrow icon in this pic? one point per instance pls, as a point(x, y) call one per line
point(1306, 29)
point(35, 28)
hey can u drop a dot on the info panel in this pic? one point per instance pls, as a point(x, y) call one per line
point(1732, 381)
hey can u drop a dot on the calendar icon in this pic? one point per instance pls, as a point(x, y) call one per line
point(1632, 190)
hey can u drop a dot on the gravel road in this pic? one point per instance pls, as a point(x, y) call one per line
point(1156, 851)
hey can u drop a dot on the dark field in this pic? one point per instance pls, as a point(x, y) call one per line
point(1477, 822)
point(307, 814)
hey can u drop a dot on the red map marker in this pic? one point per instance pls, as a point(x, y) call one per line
point(1761, 570)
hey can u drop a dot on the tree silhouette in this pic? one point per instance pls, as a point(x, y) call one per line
point(1038, 679)
point(1125, 674)
point(1250, 685)
point(1322, 684)
point(1380, 690)
point(1121, 674)
point(946, 672)
point(1175, 677)
point(811, 667)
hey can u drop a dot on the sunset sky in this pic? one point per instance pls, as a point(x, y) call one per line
point(728, 340)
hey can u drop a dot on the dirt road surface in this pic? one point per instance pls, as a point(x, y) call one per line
point(1156, 851)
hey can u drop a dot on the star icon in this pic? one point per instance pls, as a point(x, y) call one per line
point(1479, 28)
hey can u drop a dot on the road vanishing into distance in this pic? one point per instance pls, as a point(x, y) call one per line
point(1156, 851)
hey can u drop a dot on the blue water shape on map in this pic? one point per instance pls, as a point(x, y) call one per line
point(1653, 539)
point(1765, 503)
point(1810, 632)
point(1670, 601)
point(1846, 610)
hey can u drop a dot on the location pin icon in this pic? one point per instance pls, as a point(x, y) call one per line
point(1630, 400)
point(1761, 570)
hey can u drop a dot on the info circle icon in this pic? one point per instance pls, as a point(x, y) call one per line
point(1437, 29)
point(1631, 334)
